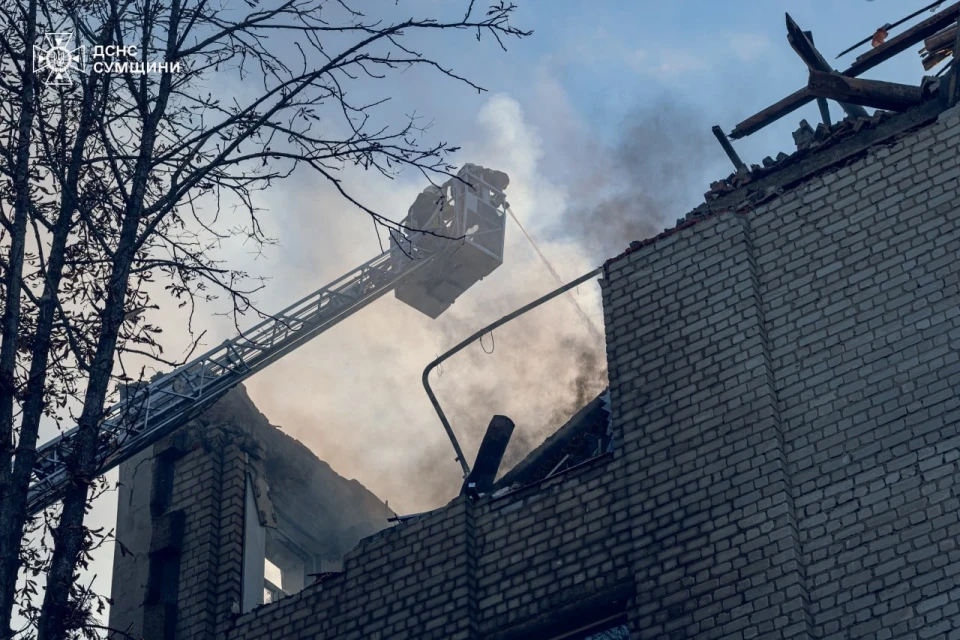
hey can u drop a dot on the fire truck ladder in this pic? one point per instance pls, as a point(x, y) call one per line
point(470, 211)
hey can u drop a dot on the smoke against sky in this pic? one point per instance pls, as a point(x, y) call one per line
point(354, 394)
point(640, 183)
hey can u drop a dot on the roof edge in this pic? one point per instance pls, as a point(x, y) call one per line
point(790, 174)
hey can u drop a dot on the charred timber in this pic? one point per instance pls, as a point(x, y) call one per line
point(891, 96)
point(889, 27)
point(938, 47)
point(941, 39)
point(805, 48)
point(867, 61)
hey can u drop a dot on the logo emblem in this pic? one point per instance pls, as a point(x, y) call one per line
point(58, 58)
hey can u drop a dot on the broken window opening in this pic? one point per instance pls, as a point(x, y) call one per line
point(619, 632)
point(272, 581)
point(286, 565)
point(613, 627)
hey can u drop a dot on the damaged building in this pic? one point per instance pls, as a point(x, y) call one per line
point(178, 499)
point(776, 454)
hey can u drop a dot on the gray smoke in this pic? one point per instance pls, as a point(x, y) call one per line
point(640, 184)
point(354, 396)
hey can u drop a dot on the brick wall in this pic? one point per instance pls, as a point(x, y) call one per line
point(859, 279)
point(784, 377)
point(715, 536)
point(469, 569)
point(180, 522)
point(786, 431)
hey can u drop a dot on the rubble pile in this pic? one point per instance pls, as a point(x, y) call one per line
point(808, 140)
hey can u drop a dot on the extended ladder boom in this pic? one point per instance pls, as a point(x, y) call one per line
point(177, 397)
point(173, 399)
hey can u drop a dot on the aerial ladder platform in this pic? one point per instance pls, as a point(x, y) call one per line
point(451, 238)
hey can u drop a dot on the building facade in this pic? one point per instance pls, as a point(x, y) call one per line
point(785, 440)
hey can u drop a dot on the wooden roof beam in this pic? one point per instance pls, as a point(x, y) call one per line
point(805, 48)
point(867, 61)
point(871, 93)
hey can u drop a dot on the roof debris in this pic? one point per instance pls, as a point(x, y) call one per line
point(880, 35)
point(585, 436)
point(943, 20)
point(938, 47)
point(808, 140)
point(940, 37)
point(899, 108)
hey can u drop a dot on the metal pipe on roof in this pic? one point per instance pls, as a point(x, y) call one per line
point(492, 448)
point(487, 329)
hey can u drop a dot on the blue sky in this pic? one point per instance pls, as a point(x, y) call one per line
point(726, 59)
point(597, 83)
point(729, 58)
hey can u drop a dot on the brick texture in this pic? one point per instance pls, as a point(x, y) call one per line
point(787, 434)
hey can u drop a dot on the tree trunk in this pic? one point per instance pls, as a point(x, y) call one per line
point(9, 330)
point(14, 508)
point(83, 464)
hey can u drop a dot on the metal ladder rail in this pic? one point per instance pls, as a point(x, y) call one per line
point(177, 397)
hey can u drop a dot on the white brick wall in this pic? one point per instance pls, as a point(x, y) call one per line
point(784, 380)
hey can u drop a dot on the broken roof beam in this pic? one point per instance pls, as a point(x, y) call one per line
point(772, 113)
point(883, 31)
point(953, 81)
point(941, 39)
point(805, 48)
point(904, 41)
point(871, 93)
point(867, 61)
point(821, 102)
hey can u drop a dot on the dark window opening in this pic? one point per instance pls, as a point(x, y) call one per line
point(600, 615)
point(619, 632)
point(161, 494)
point(611, 628)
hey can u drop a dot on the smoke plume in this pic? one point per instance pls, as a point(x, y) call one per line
point(354, 396)
point(641, 183)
